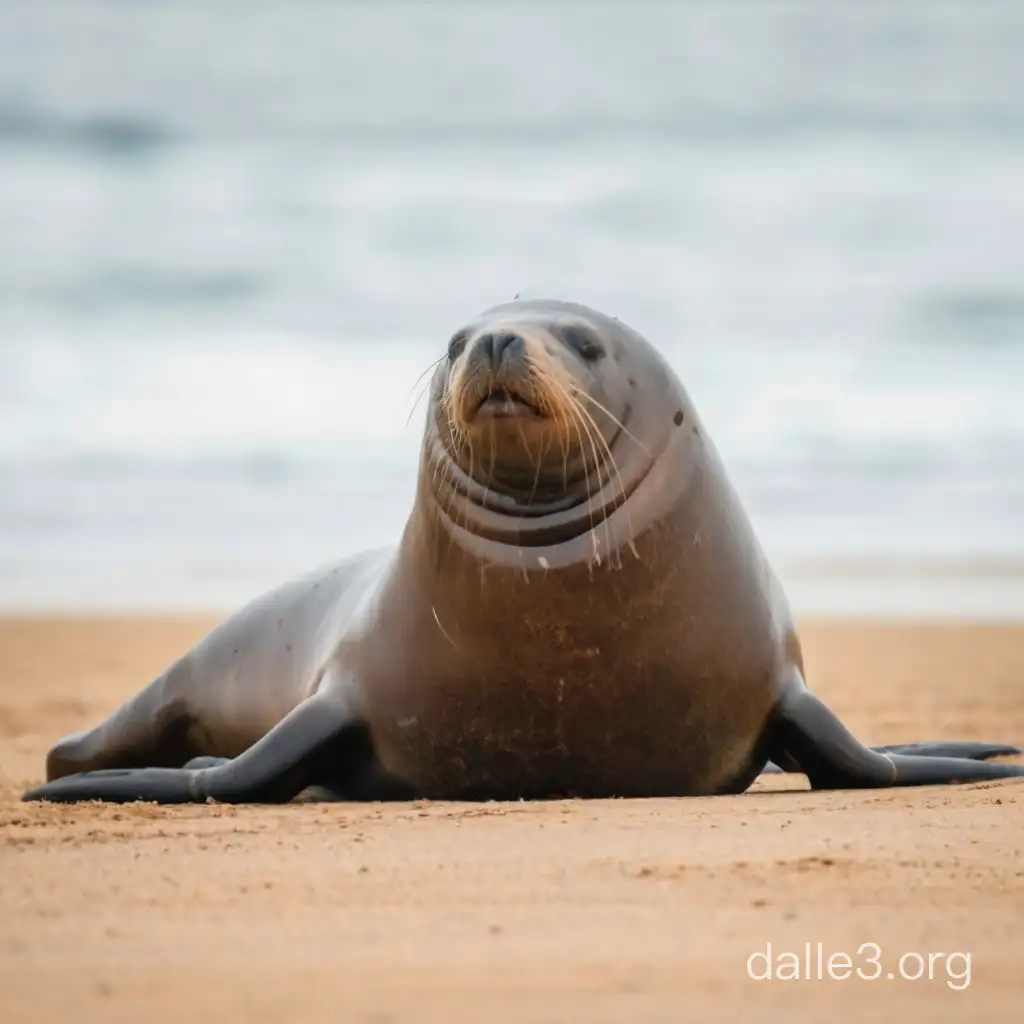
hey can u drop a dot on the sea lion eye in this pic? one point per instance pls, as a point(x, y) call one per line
point(456, 346)
point(582, 342)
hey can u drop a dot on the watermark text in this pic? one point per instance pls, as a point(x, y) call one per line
point(813, 962)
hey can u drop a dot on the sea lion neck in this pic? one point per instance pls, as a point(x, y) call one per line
point(525, 516)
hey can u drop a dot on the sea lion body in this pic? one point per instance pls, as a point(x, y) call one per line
point(578, 606)
point(651, 673)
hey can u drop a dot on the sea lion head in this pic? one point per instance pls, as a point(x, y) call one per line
point(541, 421)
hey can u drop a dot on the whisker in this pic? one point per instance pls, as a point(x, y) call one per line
point(432, 366)
point(416, 384)
point(540, 463)
point(591, 430)
point(616, 421)
point(616, 473)
point(550, 387)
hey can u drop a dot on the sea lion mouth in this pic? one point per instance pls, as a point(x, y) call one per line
point(500, 403)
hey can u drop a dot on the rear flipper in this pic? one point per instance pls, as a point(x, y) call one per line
point(155, 727)
point(319, 739)
point(971, 751)
point(804, 735)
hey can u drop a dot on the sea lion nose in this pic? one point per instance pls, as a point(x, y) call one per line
point(503, 347)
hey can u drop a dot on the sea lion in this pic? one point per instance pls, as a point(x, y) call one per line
point(577, 606)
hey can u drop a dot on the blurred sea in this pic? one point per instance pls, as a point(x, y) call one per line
point(233, 234)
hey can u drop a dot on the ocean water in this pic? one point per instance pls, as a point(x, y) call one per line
point(233, 234)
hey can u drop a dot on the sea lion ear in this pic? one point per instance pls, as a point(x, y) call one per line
point(582, 340)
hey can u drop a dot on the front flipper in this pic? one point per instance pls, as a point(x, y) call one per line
point(304, 747)
point(970, 750)
point(805, 734)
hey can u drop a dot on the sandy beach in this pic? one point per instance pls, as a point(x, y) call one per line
point(607, 911)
